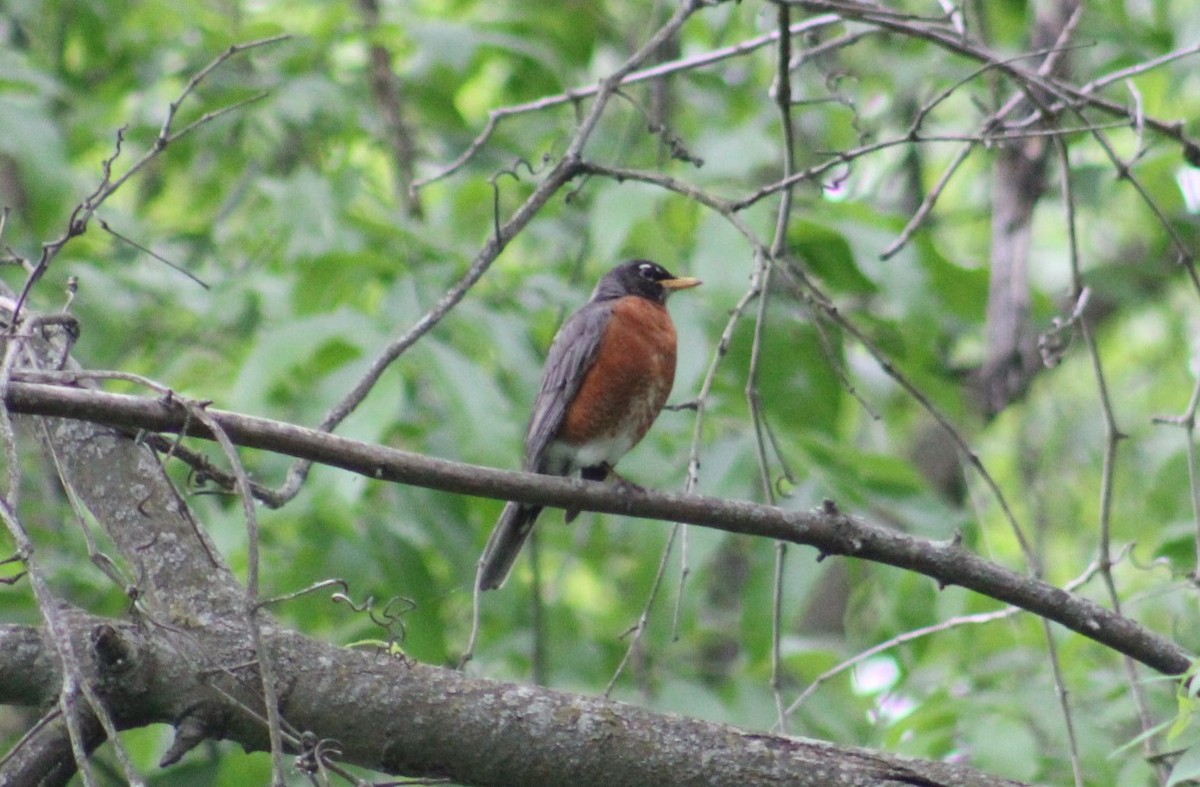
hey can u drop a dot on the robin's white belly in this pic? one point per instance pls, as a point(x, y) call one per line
point(601, 450)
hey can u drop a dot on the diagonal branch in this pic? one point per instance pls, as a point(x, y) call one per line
point(829, 531)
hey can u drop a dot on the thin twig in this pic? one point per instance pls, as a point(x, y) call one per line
point(727, 207)
point(822, 301)
point(389, 98)
point(701, 405)
point(253, 607)
point(563, 172)
point(83, 212)
point(579, 94)
point(104, 225)
point(638, 629)
point(1045, 68)
point(60, 635)
point(1068, 95)
point(763, 267)
point(1112, 438)
point(917, 220)
point(342, 584)
point(1139, 68)
point(937, 628)
point(567, 168)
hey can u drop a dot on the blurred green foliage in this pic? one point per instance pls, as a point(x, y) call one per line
point(289, 209)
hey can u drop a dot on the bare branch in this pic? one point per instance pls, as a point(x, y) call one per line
point(1139, 68)
point(655, 72)
point(829, 531)
point(83, 212)
point(327, 685)
point(1067, 95)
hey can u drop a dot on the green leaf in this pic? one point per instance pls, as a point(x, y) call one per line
point(829, 255)
point(962, 290)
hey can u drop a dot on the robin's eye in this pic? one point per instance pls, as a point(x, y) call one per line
point(647, 271)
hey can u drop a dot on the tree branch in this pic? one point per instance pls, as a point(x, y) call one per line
point(369, 702)
point(1068, 95)
point(829, 531)
point(196, 664)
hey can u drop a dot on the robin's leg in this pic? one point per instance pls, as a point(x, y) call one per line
point(602, 472)
point(594, 473)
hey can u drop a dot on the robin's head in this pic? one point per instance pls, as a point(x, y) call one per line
point(642, 278)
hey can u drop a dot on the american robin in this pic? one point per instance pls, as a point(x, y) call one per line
point(607, 377)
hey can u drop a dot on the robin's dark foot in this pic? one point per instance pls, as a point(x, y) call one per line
point(623, 483)
point(594, 473)
point(603, 472)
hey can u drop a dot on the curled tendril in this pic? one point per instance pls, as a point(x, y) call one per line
point(390, 618)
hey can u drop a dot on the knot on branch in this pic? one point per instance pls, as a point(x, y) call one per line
point(114, 653)
point(675, 145)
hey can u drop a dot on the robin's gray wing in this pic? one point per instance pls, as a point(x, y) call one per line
point(571, 354)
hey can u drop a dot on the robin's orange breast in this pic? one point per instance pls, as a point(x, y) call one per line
point(626, 387)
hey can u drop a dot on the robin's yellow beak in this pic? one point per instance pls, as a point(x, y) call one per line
point(681, 283)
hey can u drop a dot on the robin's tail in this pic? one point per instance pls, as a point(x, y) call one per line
point(505, 544)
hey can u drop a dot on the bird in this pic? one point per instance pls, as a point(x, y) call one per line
point(607, 376)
